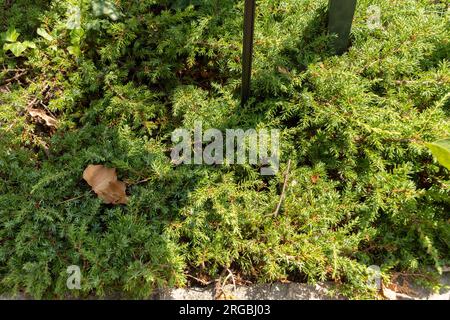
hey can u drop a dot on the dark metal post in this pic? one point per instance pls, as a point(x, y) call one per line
point(340, 18)
point(247, 54)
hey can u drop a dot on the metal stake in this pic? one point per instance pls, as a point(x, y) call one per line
point(340, 18)
point(247, 54)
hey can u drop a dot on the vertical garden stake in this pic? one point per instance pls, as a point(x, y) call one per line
point(247, 54)
point(340, 18)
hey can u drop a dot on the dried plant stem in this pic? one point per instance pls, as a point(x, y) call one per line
point(283, 192)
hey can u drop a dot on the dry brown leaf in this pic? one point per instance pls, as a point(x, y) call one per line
point(283, 70)
point(314, 179)
point(49, 121)
point(105, 184)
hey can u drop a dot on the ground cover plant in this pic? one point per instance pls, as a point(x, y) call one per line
point(363, 189)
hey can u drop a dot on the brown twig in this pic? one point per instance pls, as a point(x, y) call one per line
point(218, 289)
point(36, 100)
point(16, 77)
point(72, 199)
point(283, 192)
point(220, 286)
point(32, 103)
point(203, 282)
point(139, 182)
point(230, 274)
point(412, 275)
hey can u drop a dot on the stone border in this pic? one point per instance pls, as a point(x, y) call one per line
point(277, 291)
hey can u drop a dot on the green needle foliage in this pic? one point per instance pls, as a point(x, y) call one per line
point(363, 188)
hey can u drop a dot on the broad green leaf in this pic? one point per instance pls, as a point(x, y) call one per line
point(16, 48)
point(44, 34)
point(76, 35)
point(74, 50)
point(11, 35)
point(29, 44)
point(441, 150)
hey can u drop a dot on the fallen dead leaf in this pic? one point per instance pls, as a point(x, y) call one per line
point(38, 113)
point(283, 70)
point(314, 179)
point(105, 184)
